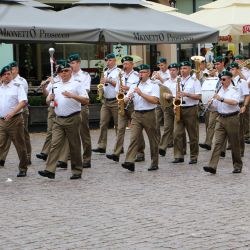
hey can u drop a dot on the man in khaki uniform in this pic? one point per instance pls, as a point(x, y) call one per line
point(145, 96)
point(228, 124)
point(190, 95)
point(129, 77)
point(12, 101)
point(47, 86)
point(18, 80)
point(85, 79)
point(69, 95)
point(109, 107)
point(159, 77)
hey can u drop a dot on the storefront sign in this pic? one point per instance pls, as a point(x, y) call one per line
point(227, 38)
point(246, 29)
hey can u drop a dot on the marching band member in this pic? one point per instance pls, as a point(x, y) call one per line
point(69, 95)
point(46, 89)
point(227, 125)
point(145, 96)
point(109, 106)
point(243, 89)
point(85, 79)
point(244, 70)
point(159, 77)
point(13, 100)
point(19, 81)
point(167, 137)
point(190, 94)
point(129, 78)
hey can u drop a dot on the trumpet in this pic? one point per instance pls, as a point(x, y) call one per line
point(120, 97)
point(246, 63)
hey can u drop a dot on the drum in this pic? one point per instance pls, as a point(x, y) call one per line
point(208, 89)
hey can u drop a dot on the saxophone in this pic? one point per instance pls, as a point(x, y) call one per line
point(177, 101)
point(100, 87)
point(120, 97)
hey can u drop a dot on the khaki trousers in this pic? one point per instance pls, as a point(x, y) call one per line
point(66, 128)
point(139, 122)
point(246, 124)
point(189, 121)
point(227, 127)
point(211, 126)
point(168, 129)
point(109, 109)
point(85, 135)
point(13, 130)
point(5, 152)
point(64, 153)
point(122, 124)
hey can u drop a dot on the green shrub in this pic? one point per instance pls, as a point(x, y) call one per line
point(37, 101)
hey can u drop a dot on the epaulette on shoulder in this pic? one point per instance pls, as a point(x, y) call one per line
point(21, 78)
point(136, 73)
point(85, 73)
point(17, 84)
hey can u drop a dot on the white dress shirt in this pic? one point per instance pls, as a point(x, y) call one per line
point(128, 79)
point(110, 90)
point(230, 93)
point(84, 78)
point(11, 95)
point(66, 106)
point(192, 86)
point(147, 88)
point(20, 80)
point(172, 85)
point(242, 87)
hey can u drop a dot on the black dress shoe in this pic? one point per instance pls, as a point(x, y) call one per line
point(222, 154)
point(62, 164)
point(122, 152)
point(152, 168)
point(193, 161)
point(45, 173)
point(236, 171)
point(86, 165)
point(140, 158)
point(129, 166)
point(209, 169)
point(76, 176)
point(229, 148)
point(42, 156)
point(170, 145)
point(247, 141)
point(99, 150)
point(2, 162)
point(113, 157)
point(162, 152)
point(29, 162)
point(178, 160)
point(21, 174)
point(203, 145)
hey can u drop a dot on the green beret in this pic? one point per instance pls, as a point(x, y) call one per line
point(162, 60)
point(239, 57)
point(144, 67)
point(63, 66)
point(60, 61)
point(234, 65)
point(74, 57)
point(185, 63)
point(173, 65)
point(110, 56)
point(218, 59)
point(5, 69)
point(127, 58)
point(226, 73)
point(13, 64)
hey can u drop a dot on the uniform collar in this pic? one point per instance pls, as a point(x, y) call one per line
point(77, 73)
point(109, 70)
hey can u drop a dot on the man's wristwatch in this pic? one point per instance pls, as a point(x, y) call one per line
point(222, 99)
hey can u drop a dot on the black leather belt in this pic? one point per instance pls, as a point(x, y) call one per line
point(144, 111)
point(110, 99)
point(187, 107)
point(2, 118)
point(75, 113)
point(229, 114)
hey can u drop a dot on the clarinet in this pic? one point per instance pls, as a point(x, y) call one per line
point(130, 99)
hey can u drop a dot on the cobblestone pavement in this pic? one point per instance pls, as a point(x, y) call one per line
point(176, 207)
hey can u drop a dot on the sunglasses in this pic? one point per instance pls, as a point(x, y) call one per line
point(223, 79)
